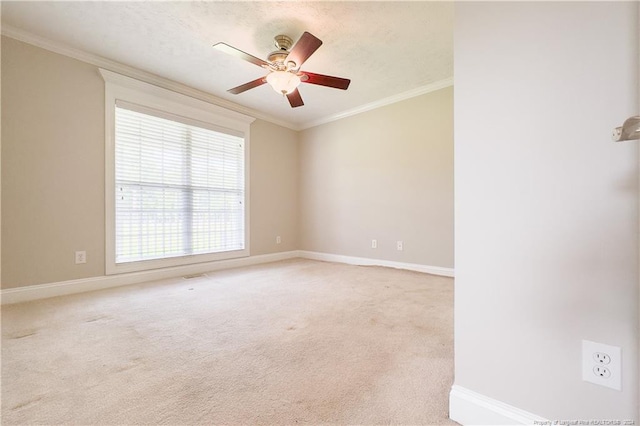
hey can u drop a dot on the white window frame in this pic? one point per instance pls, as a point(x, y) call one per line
point(120, 87)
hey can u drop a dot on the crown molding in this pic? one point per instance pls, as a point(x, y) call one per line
point(147, 77)
point(432, 87)
point(133, 72)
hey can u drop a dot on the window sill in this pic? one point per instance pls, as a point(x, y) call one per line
point(113, 268)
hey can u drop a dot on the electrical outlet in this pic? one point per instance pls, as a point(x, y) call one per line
point(602, 372)
point(374, 243)
point(400, 246)
point(602, 364)
point(278, 239)
point(81, 257)
point(601, 358)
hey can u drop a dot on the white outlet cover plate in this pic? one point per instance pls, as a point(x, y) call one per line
point(81, 257)
point(589, 348)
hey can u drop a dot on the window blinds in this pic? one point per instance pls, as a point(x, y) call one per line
point(180, 186)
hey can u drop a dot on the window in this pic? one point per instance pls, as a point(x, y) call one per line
point(177, 185)
point(179, 188)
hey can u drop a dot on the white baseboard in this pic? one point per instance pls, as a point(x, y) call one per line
point(351, 260)
point(44, 291)
point(62, 288)
point(471, 408)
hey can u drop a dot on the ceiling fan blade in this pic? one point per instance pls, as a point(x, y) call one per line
point(223, 47)
point(304, 47)
point(250, 85)
point(325, 80)
point(295, 100)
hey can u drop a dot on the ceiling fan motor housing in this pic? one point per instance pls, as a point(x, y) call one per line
point(283, 43)
point(283, 66)
point(278, 57)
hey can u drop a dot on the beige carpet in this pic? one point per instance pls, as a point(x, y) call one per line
point(290, 342)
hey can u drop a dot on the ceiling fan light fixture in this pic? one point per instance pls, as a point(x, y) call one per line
point(283, 66)
point(283, 82)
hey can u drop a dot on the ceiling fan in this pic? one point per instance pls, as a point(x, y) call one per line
point(284, 67)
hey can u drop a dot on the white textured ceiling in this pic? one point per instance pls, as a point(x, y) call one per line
point(385, 48)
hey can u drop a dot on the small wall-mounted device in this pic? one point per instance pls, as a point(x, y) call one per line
point(629, 131)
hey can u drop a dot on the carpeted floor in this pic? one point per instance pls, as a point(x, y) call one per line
point(297, 341)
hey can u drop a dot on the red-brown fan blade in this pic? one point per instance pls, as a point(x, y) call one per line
point(295, 100)
point(303, 48)
point(325, 80)
point(250, 85)
point(223, 47)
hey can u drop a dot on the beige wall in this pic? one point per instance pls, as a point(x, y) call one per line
point(52, 166)
point(53, 170)
point(274, 188)
point(546, 204)
point(385, 174)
